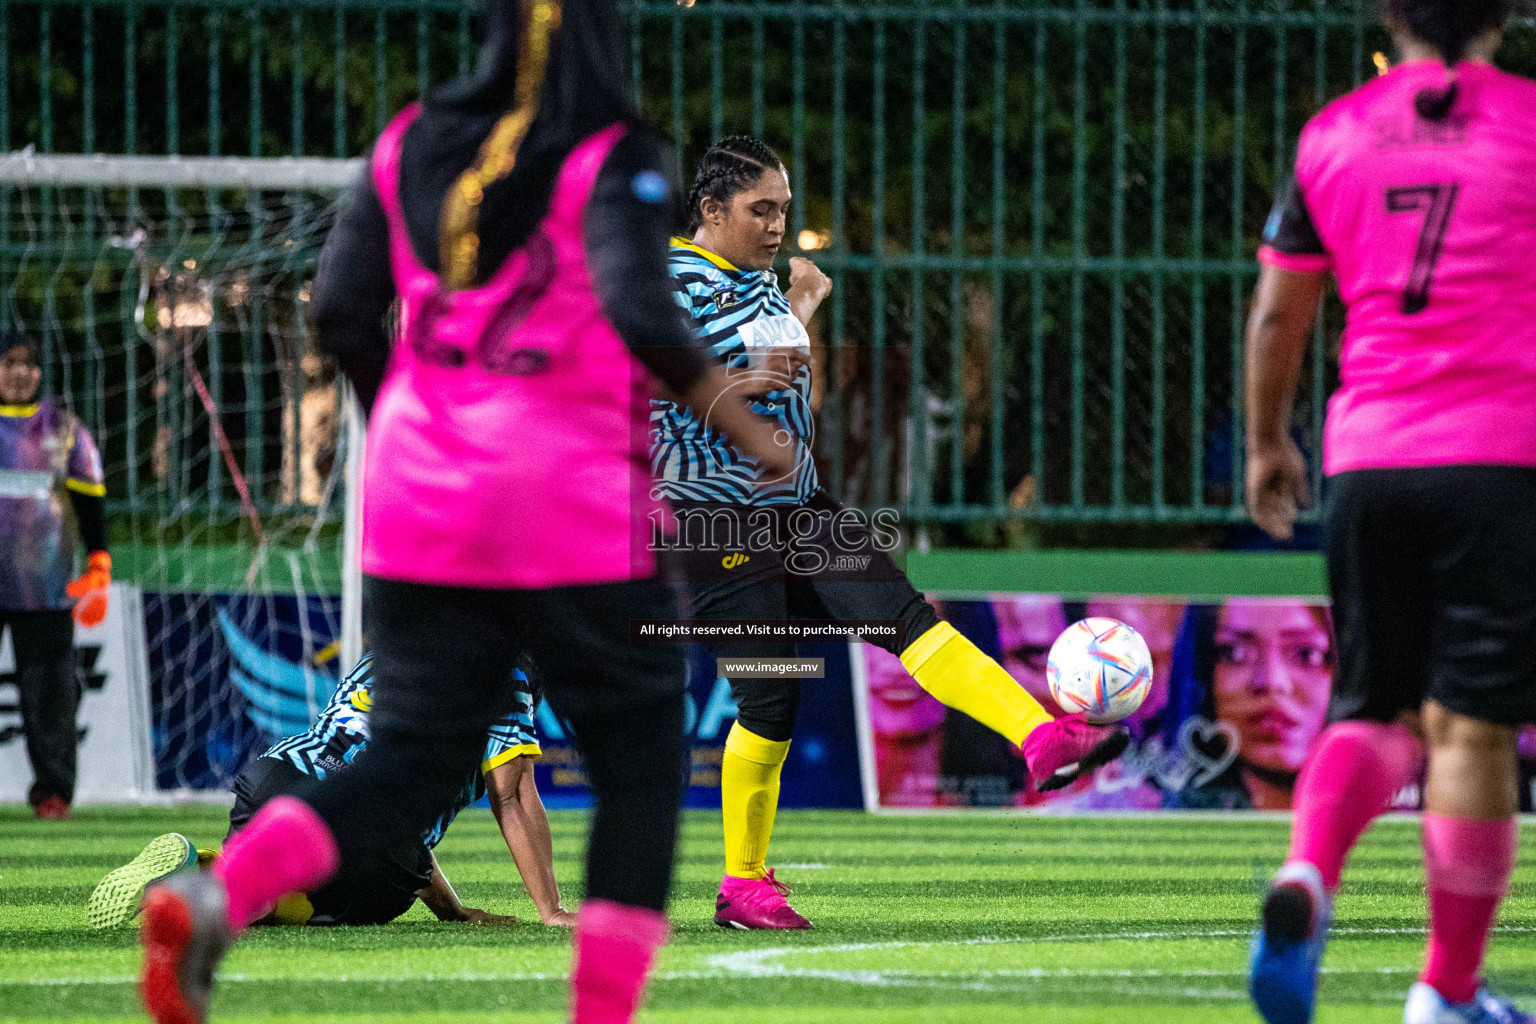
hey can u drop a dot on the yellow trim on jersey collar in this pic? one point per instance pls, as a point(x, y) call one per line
point(19, 411)
point(520, 750)
point(719, 261)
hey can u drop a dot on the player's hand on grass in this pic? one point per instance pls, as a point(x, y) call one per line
point(473, 916)
point(808, 286)
point(561, 918)
point(1276, 485)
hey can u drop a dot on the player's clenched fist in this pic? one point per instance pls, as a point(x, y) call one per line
point(807, 287)
point(803, 274)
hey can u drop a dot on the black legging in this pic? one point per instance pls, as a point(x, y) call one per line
point(443, 658)
point(762, 588)
point(48, 695)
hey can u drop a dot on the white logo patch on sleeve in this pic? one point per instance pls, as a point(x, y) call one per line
point(771, 332)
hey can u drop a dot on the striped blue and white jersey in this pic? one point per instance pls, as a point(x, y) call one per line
point(735, 313)
point(340, 733)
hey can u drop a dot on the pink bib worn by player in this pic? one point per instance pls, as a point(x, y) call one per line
point(1430, 228)
point(508, 445)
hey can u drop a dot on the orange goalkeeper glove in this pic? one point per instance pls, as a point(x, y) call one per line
point(91, 590)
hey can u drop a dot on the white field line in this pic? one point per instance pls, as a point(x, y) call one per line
point(764, 962)
point(1239, 995)
point(761, 963)
point(983, 981)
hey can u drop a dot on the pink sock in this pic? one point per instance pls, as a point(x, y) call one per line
point(615, 946)
point(1467, 865)
point(1350, 777)
point(286, 848)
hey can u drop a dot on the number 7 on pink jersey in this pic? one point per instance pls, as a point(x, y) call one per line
point(1436, 203)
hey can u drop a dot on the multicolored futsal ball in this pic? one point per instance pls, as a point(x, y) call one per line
point(1101, 667)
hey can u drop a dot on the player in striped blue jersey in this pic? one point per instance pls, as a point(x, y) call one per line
point(742, 316)
point(395, 879)
point(752, 545)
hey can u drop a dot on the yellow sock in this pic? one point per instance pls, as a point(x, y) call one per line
point(956, 672)
point(293, 909)
point(749, 797)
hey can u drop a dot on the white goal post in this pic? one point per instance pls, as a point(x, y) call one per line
point(29, 170)
point(98, 170)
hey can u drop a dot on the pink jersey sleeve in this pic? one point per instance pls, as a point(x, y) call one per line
point(1299, 263)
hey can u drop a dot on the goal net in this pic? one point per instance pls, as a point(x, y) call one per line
point(170, 300)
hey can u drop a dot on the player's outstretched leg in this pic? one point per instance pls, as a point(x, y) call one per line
point(959, 674)
point(1350, 778)
point(750, 897)
point(117, 898)
point(190, 920)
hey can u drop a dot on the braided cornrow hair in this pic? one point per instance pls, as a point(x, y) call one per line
point(728, 168)
point(1449, 26)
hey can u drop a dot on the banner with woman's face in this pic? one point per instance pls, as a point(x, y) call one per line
point(1240, 693)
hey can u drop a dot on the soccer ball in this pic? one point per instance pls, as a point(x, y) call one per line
point(1101, 667)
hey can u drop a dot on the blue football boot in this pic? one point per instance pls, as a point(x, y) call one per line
point(1288, 950)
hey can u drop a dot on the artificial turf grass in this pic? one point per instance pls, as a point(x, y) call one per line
point(964, 1014)
point(920, 890)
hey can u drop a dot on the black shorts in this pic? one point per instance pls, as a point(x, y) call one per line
point(811, 561)
point(1433, 574)
point(377, 895)
point(574, 641)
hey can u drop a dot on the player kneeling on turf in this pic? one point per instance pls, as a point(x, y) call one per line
point(393, 879)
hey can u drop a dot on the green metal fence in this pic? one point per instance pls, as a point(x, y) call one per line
point(1040, 218)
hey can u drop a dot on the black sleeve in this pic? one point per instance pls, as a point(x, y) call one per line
point(91, 518)
point(1289, 229)
point(627, 232)
point(354, 289)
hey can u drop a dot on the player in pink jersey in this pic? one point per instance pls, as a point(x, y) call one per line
point(1415, 192)
point(518, 220)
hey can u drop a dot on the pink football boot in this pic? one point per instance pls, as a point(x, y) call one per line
point(752, 903)
point(1060, 751)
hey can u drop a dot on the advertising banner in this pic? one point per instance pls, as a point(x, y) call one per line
point(115, 763)
point(1240, 692)
point(823, 765)
point(232, 674)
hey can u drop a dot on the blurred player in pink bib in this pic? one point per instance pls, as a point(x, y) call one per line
point(520, 218)
point(1415, 192)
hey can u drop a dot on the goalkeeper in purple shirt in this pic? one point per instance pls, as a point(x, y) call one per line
point(50, 488)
